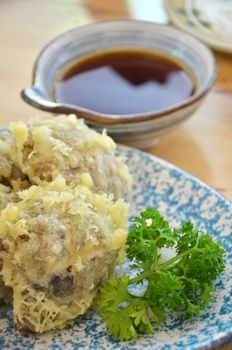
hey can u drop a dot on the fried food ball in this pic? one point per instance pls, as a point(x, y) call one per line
point(11, 180)
point(10, 175)
point(60, 243)
point(6, 196)
point(46, 147)
point(6, 141)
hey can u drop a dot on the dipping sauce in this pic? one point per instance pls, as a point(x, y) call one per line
point(124, 81)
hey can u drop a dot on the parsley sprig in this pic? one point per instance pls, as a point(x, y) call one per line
point(183, 284)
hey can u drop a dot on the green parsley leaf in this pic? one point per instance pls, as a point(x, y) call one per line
point(150, 232)
point(182, 284)
point(124, 313)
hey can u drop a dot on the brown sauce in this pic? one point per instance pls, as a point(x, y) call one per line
point(124, 81)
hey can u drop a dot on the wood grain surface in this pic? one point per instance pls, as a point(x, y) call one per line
point(202, 145)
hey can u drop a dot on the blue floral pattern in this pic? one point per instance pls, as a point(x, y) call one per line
point(179, 197)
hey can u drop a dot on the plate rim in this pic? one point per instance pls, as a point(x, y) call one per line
point(184, 172)
point(217, 45)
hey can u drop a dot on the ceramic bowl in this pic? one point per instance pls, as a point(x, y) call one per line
point(141, 129)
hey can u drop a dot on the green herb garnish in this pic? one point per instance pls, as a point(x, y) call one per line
point(183, 284)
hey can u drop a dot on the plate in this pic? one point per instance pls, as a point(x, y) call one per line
point(179, 197)
point(209, 20)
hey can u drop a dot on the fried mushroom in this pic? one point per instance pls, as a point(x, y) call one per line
point(6, 196)
point(62, 243)
point(11, 180)
point(46, 147)
point(10, 174)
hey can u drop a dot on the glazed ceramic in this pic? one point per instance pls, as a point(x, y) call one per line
point(179, 197)
point(141, 129)
point(209, 20)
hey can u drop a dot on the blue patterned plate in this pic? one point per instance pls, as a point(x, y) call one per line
point(179, 197)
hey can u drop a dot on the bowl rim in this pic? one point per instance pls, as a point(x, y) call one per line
point(110, 119)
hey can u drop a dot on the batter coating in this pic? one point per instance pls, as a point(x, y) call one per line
point(60, 243)
point(10, 174)
point(6, 196)
point(6, 141)
point(46, 147)
point(11, 180)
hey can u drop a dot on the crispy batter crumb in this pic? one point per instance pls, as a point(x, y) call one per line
point(47, 147)
point(86, 229)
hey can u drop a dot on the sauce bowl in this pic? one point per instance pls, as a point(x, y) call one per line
point(139, 129)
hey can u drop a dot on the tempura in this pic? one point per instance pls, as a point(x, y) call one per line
point(46, 147)
point(60, 244)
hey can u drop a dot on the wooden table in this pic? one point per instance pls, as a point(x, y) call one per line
point(202, 145)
